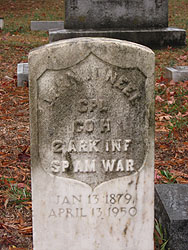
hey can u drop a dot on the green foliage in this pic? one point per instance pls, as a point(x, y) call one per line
point(172, 62)
point(36, 16)
point(168, 176)
point(16, 193)
point(160, 237)
point(16, 28)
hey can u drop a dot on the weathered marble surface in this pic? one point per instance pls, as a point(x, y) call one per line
point(92, 143)
point(116, 14)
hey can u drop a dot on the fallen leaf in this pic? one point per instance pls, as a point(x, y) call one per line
point(6, 203)
point(159, 99)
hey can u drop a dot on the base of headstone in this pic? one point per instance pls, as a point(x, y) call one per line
point(154, 38)
point(171, 210)
point(178, 73)
point(46, 25)
point(22, 74)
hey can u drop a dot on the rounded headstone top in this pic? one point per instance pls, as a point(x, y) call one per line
point(66, 53)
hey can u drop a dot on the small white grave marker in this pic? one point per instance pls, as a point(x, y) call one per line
point(46, 25)
point(1, 23)
point(178, 73)
point(22, 74)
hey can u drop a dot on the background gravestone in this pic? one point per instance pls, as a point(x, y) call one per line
point(116, 14)
point(140, 21)
point(22, 74)
point(46, 25)
point(171, 211)
point(92, 136)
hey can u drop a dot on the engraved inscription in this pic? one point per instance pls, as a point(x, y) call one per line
point(73, 146)
point(74, 4)
point(158, 3)
point(81, 206)
point(97, 126)
point(122, 83)
point(128, 88)
point(89, 125)
point(107, 1)
point(88, 166)
point(92, 105)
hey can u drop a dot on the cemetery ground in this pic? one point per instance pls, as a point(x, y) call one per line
point(16, 40)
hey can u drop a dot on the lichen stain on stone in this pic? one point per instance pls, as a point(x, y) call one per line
point(111, 229)
point(125, 230)
point(69, 159)
point(82, 18)
point(131, 182)
point(126, 227)
point(137, 180)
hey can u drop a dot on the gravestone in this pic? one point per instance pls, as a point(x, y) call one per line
point(92, 143)
point(116, 14)
point(171, 210)
point(178, 73)
point(22, 74)
point(140, 21)
point(46, 25)
point(1, 23)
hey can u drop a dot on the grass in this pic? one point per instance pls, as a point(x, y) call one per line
point(19, 195)
point(160, 236)
point(17, 18)
point(170, 179)
point(16, 193)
